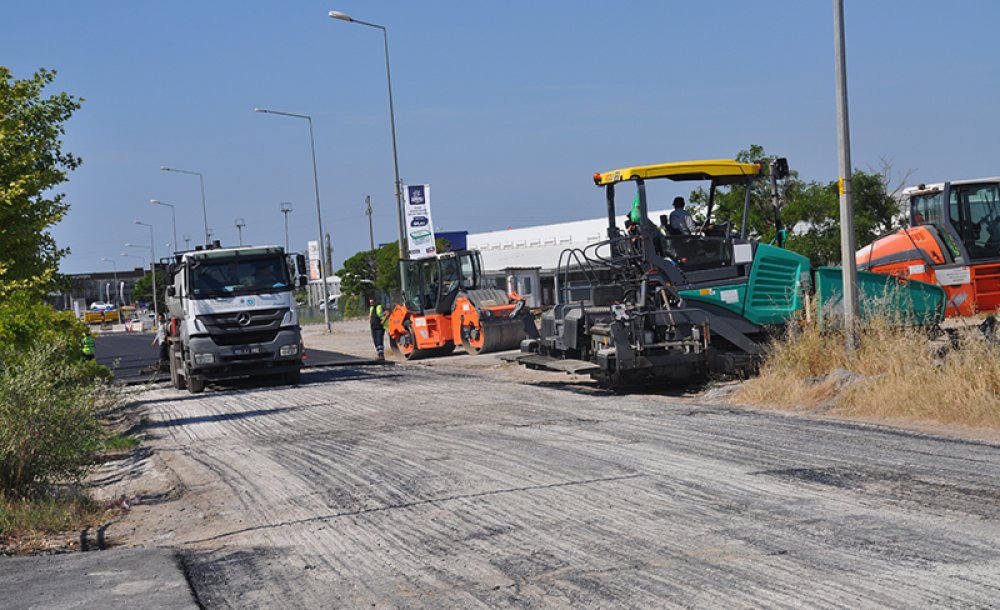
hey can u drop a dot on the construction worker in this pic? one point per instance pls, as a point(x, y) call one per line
point(378, 321)
point(161, 339)
point(681, 221)
point(88, 346)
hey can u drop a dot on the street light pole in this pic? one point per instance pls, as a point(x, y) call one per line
point(204, 209)
point(142, 258)
point(173, 217)
point(240, 223)
point(403, 248)
point(117, 300)
point(319, 214)
point(152, 265)
point(847, 241)
point(285, 208)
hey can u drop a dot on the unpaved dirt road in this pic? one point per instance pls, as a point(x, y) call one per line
point(440, 487)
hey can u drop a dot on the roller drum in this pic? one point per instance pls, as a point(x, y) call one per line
point(495, 335)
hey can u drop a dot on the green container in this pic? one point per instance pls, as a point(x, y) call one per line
point(900, 301)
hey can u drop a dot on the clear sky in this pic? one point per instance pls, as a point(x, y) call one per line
point(505, 108)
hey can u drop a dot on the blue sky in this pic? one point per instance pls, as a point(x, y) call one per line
point(505, 108)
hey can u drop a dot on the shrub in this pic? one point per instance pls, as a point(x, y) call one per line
point(49, 427)
point(50, 398)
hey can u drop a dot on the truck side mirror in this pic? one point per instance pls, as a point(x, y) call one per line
point(301, 276)
point(171, 291)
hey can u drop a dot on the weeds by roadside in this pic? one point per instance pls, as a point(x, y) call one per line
point(897, 372)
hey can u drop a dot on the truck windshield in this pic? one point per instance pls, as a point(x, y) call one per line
point(230, 277)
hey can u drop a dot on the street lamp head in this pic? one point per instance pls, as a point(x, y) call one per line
point(260, 110)
point(286, 206)
point(139, 222)
point(341, 16)
point(164, 168)
point(156, 201)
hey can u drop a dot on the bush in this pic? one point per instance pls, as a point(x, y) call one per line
point(50, 398)
point(49, 427)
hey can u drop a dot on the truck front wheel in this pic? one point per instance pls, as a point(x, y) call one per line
point(195, 386)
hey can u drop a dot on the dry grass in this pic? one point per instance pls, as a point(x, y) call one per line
point(47, 524)
point(900, 373)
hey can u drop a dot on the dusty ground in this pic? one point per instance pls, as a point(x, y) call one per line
point(351, 337)
point(441, 484)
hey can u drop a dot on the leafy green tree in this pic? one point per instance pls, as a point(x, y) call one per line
point(366, 275)
point(728, 205)
point(816, 211)
point(809, 210)
point(143, 289)
point(32, 163)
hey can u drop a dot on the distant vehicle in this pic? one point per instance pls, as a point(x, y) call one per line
point(333, 301)
point(418, 221)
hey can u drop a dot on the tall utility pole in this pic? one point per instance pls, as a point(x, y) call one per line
point(240, 223)
point(329, 255)
point(285, 208)
point(847, 242)
point(371, 231)
point(187, 242)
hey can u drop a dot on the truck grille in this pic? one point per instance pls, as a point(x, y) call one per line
point(258, 326)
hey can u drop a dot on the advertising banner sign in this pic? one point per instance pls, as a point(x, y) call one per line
point(314, 260)
point(419, 227)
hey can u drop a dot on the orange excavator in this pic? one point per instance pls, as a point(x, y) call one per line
point(953, 239)
point(444, 305)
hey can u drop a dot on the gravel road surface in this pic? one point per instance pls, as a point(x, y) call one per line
point(443, 487)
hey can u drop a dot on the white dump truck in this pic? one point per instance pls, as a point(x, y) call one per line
point(232, 315)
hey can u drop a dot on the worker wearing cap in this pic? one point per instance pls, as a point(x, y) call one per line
point(378, 321)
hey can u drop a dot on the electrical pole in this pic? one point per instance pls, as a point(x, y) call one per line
point(329, 255)
point(847, 242)
point(368, 211)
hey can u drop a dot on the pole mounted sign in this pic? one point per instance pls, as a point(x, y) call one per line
point(419, 227)
point(313, 260)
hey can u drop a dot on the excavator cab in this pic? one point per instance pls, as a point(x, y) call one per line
point(953, 240)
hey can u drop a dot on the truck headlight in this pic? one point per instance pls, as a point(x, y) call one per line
point(204, 358)
point(288, 350)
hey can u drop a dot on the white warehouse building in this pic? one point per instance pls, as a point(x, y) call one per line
point(525, 260)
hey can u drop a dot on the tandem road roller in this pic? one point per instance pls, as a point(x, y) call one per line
point(444, 304)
